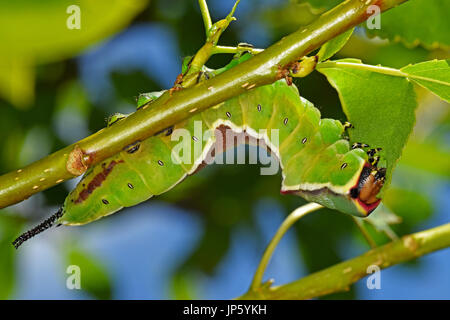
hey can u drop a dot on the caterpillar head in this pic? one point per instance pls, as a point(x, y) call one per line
point(364, 193)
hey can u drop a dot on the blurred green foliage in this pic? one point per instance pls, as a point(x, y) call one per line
point(9, 227)
point(35, 32)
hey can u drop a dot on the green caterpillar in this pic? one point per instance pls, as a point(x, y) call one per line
point(317, 161)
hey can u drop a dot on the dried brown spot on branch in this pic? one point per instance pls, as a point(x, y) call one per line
point(76, 164)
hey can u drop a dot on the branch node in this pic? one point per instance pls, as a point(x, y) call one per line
point(410, 243)
point(76, 163)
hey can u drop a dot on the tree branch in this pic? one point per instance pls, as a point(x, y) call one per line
point(174, 107)
point(339, 277)
point(293, 217)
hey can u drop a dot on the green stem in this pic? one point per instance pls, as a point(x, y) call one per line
point(206, 51)
point(173, 107)
point(360, 224)
point(205, 15)
point(340, 276)
point(292, 218)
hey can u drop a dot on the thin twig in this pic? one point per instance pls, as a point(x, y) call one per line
point(292, 218)
point(366, 235)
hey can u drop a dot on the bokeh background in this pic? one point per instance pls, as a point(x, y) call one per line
point(204, 239)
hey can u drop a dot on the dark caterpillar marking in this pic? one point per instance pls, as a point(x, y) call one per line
point(359, 145)
point(96, 181)
point(348, 125)
point(169, 131)
point(132, 148)
point(373, 152)
point(38, 229)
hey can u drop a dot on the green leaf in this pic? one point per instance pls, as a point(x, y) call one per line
point(417, 22)
point(380, 106)
point(94, 277)
point(40, 28)
point(433, 75)
point(17, 82)
point(429, 156)
point(334, 45)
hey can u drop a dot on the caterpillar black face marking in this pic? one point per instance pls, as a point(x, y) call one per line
point(374, 161)
point(372, 152)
